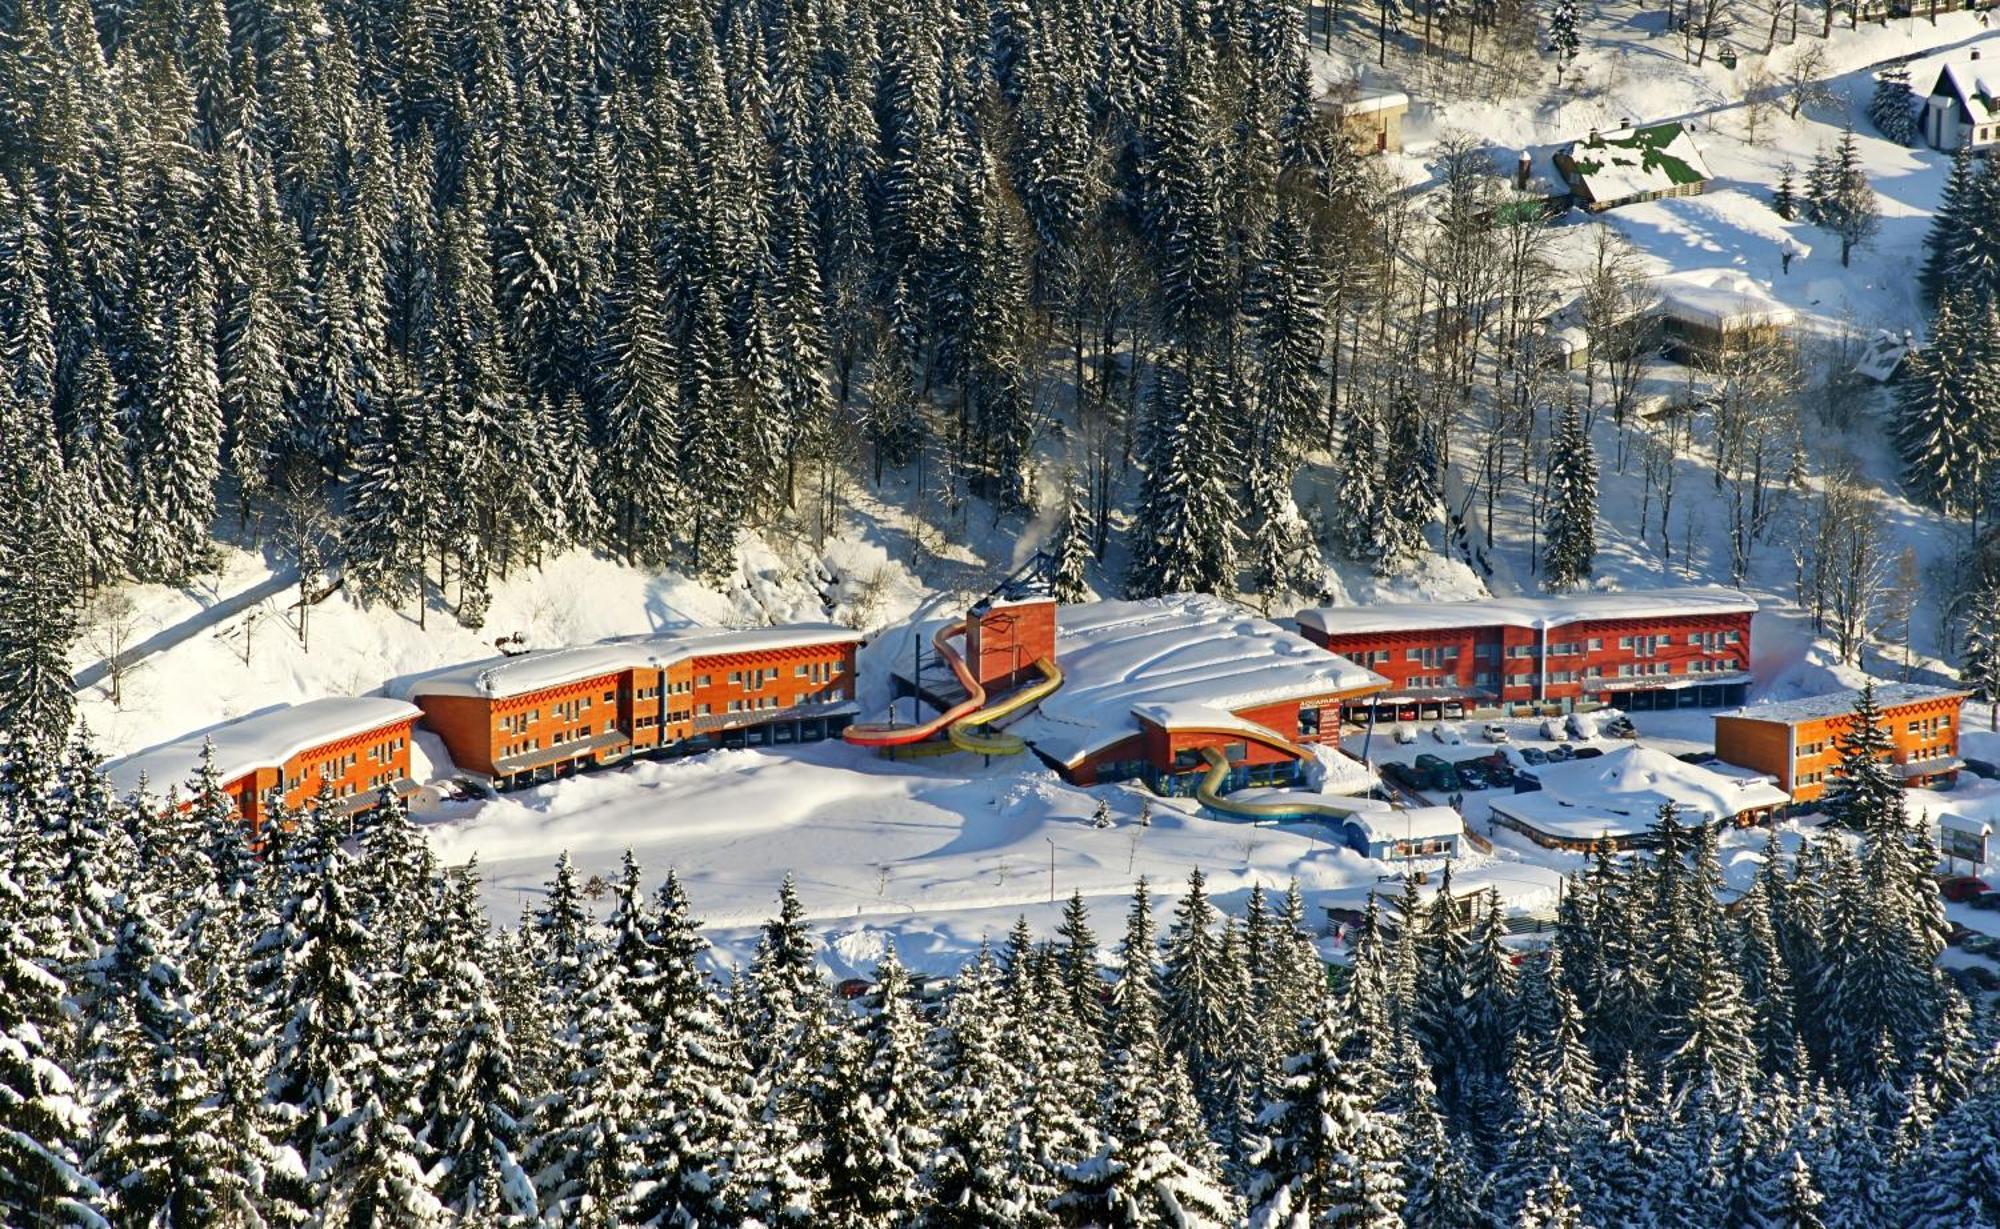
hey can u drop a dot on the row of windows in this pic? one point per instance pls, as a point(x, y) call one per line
point(1808, 778)
point(1932, 725)
point(1432, 656)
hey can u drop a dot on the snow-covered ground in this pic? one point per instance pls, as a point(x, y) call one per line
point(935, 856)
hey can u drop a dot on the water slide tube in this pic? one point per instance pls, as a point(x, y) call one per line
point(884, 734)
point(960, 722)
point(1209, 794)
point(962, 732)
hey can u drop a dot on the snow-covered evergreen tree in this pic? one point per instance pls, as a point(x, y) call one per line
point(1571, 551)
point(1893, 108)
point(1069, 581)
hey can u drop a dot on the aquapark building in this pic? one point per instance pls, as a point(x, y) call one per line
point(1187, 694)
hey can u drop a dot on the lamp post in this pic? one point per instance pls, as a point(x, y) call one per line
point(1052, 868)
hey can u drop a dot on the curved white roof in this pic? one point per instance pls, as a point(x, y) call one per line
point(1621, 792)
point(1530, 612)
point(1193, 658)
point(499, 677)
point(260, 740)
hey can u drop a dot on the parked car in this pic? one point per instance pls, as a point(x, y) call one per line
point(1447, 733)
point(1472, 774)
point(1552, 729)
point(1398, 773)
point(1493, 732)
point(1961, 935)
point(1986, 900)
point(1558, 754)
point(1589, 753)
point(1436, 773)
point(1405, 733)
point(1619, 727)
point(1961, 888)
point(854, 987)
point(1581, 725)
point(1534, 756)
point(1498, 767)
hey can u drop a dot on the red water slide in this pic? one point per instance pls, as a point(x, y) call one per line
point(882, 734)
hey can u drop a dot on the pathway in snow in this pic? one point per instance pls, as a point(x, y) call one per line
point(201, 620)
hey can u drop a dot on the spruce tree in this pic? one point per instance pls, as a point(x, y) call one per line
point(1069, 581)
point(1979, 663)
point(1944, 409)
point(1953, 225)
point(1892, 108)
point(1571, 552)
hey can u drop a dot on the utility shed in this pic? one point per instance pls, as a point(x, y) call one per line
point(1706, 312)
point(1371, 118)
point(1608, 169)
point(1882, 358)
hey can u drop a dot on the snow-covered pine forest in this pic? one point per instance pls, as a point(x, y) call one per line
point(328, 1031)
point(435, 288)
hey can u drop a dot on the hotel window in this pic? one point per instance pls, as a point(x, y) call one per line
point(702, 709)
point(1596, 643)
point(610, 697)
point(735, 676)
point(736, 706)
point(704, 681)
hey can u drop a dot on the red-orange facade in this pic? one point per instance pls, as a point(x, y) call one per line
point(354, 769)
point(1004, 640)
point(1802, 753)
point(1695, 660)
point(694, 703)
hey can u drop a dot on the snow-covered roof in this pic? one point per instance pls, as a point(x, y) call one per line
point(1977, 88)
point(500, 677)
point(1721, 299)
point(1197, 658)
point(1529, 612)
point(1884, 354)
point(260, 740)
point(1628, 162)
point(1370, 100)
point(1837, 703)
point(1413, 824)
point(1195, 715)
point(1621, 792)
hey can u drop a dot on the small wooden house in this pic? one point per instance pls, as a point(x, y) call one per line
point(1608, 169)
point(1371, 118)
point(1715, 311)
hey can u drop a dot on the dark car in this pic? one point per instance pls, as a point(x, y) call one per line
point(1534, 755)
point(1589, 753)
point(1985, 900)
point(1499, 772)
point(1560, 753)
point(1961, 888)
point(1395, 772)
point(854, 987)
point(1960, 933)
point(1619, 727)
point(1436, 773)
point(1472, 774)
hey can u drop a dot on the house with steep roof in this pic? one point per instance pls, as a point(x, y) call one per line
point(1961, 108)
point(1628, 165)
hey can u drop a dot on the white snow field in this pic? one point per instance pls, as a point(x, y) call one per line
point(935, 856)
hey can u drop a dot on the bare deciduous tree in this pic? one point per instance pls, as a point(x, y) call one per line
point(113, 619)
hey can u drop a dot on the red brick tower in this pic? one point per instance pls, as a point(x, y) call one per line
point(1003, 638)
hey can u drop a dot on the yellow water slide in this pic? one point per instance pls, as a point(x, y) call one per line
point(1209, 794)
point(965, 735)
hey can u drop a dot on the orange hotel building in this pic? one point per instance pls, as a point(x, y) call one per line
point(357, 746)
point(1797, 742)
point(542, 715)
